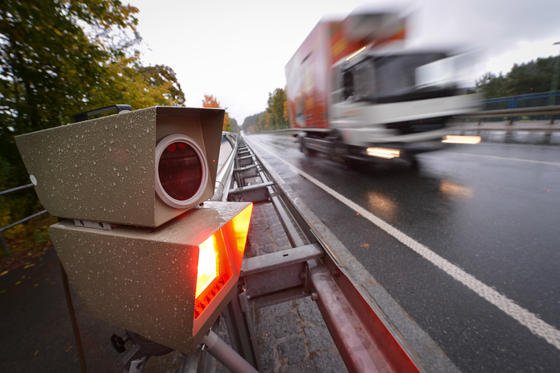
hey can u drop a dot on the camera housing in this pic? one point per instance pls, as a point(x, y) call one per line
point(140, 168)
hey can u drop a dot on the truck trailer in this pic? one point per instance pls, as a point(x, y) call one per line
point(354, 92)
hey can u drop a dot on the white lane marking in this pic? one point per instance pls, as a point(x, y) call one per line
point(557, 164)
point(506, 305)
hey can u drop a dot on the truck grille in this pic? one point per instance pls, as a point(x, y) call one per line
point(417, 126)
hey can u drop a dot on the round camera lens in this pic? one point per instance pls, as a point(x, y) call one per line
point(180, 171)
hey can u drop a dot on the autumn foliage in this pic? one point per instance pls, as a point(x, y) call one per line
point(211, 101)
point(59, 58)
point(274, 117)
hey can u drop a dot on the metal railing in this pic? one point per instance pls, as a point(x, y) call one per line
point(512, 115)
point(225, 173)
point(477, 119)
point(522, 101)
point(3, 243)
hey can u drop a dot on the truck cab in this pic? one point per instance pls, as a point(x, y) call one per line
point(355, 91)
point(397, 98)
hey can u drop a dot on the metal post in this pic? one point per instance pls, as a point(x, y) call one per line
point(238, 330)
point(225, 354)
point(73, 319)
point(11, 190)
point(554, 86)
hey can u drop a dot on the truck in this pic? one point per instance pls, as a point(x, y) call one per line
point(354, 91)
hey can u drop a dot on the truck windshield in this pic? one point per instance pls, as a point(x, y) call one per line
point(401, 74)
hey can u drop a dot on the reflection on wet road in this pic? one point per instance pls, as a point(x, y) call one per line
point(489, 211)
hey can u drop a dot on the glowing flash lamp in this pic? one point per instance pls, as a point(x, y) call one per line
point(383, 152)
point(461, 139)
point(168, 284)
point(207, 265)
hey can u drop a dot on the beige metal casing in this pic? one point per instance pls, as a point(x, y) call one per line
point(144, 280)
point(103, 170)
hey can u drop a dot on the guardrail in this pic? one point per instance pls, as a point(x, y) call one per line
point(522, 101)
point(223, 178)
point(3, 243)
point(510, 115)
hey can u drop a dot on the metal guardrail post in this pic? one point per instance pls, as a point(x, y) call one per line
point(73, 320)
point(225, 354)
point(239, 332)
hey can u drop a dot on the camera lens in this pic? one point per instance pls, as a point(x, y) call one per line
point(180, 171)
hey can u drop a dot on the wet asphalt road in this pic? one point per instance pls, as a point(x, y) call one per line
point(36, 333)
point(492, 210)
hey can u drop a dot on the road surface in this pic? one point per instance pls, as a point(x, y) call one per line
point(468, 245)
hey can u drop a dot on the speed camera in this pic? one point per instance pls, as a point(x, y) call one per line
point(139, 168)
point(151, 259)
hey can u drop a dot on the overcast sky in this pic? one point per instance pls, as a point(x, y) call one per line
point(236, 50)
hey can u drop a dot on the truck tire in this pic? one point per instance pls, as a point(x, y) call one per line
point(306, 150)
point(339, 149)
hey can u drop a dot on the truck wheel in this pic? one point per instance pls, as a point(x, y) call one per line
point(304, 149)
point(339, 150)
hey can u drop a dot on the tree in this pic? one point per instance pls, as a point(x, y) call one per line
point(533, 76)
point(491, 85)
point(234, 125)
point(49, 63)
point(274, 117)
point(140, 86)
point(276, 113)
point(212, 102)
point(254, 123)
point(61, 57)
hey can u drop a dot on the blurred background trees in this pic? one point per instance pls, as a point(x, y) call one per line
point(274, 117)
point(58, 58)
point(212, 102)
point(62, 57)
point(530, 77)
